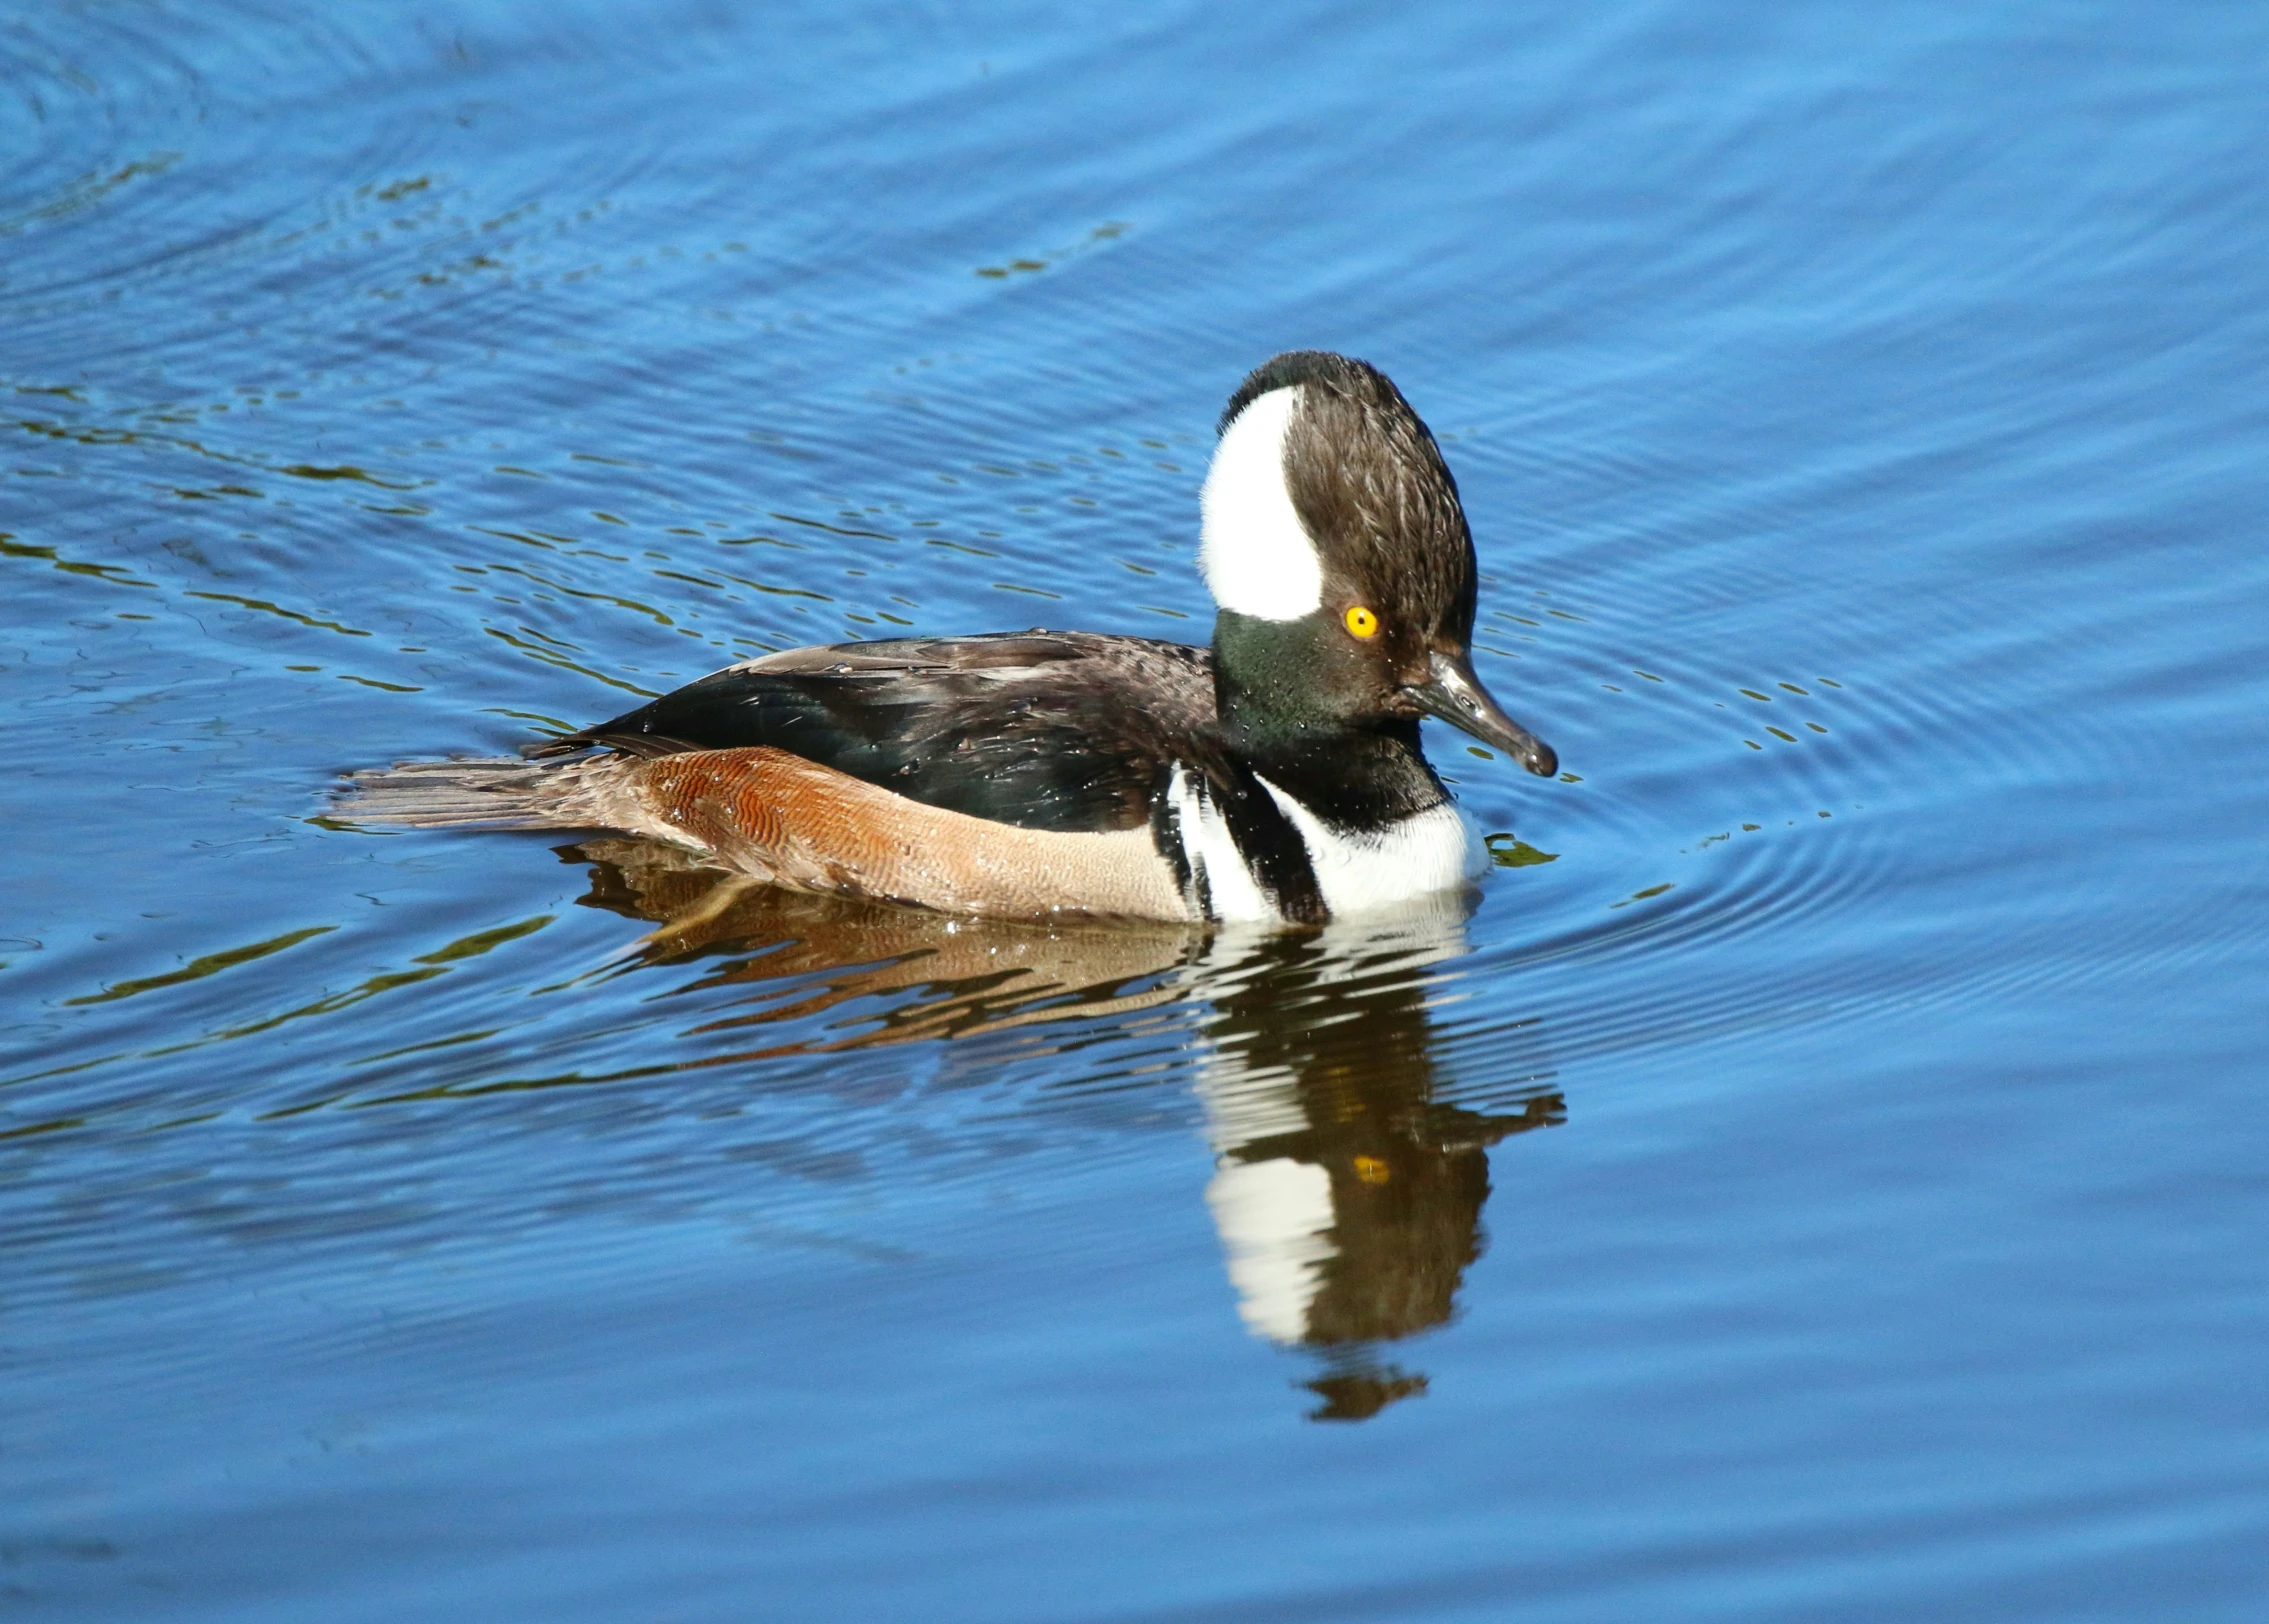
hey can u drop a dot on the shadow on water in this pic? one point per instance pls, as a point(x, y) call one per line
point(1347, 1191)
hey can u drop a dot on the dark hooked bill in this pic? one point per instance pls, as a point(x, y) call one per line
point(1455, 695)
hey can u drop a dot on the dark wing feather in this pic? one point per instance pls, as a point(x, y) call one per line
point(1061, 731)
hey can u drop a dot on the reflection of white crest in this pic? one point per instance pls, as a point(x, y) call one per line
point(1275, 1219)
point(1275, 1215)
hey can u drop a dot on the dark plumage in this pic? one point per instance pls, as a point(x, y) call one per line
point(1045, 730)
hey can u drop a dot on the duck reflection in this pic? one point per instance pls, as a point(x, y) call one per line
point(1347, 1196)
point(964, 976)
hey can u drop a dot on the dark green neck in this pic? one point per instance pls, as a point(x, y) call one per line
point(1292, 713)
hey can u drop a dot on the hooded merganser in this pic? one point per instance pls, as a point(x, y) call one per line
point(1347, 1192)
point(1276, 777)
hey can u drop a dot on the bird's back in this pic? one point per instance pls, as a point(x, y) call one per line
point(1057, 731)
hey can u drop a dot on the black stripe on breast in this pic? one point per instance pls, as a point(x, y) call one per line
point(1167, 835)
point(1272, 848)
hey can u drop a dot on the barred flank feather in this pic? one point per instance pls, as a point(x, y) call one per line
point(490, 793)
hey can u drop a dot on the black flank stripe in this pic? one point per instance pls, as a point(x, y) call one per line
point(1272, 848)
point(1166, 835)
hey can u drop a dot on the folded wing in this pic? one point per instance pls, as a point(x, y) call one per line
point(1057, 731)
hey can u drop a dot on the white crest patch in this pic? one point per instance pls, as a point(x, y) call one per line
point(1256, 556)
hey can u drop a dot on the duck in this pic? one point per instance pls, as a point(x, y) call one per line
point(1276, 777)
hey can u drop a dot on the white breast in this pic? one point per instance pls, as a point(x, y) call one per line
point(1371, 870)
point(1357, 871)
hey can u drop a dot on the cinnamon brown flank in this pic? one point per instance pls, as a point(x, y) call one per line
point(781, 817)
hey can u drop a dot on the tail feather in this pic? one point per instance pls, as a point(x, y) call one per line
point(487, 793)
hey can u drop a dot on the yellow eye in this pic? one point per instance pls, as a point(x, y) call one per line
point(1362, 622)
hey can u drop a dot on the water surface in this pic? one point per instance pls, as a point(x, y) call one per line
point(1819, 1177)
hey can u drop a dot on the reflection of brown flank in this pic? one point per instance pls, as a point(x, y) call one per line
point(966, 975)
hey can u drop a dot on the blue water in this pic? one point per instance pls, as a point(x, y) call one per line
point(1830, 1187)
